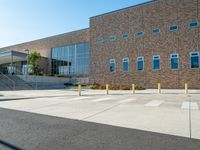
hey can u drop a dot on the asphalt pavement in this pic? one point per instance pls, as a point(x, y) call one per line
point(28, 131)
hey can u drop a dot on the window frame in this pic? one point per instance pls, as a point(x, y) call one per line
point(112, 38)
point(126, 59)
point(136, 34)
point(173, 26)
point(110, 62)
point(127, 36)
point(153, 58)
point(198, 59)
point(171, 61)
point(156, 32)
point(137, 59)
point(189, 24)
point(100, 40)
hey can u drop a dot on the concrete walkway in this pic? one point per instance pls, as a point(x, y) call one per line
point(163, 113)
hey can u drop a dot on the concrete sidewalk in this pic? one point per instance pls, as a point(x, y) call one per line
point(162, 113)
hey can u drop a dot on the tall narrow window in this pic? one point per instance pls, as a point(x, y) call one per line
point(174, 61)
point(194, 60)
point(125, 64)
point(112, 66)
point(156, 62)
point(140, 63)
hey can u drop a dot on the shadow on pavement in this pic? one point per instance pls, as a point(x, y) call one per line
point(10, 146)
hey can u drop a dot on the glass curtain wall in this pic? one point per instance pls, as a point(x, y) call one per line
point(70, 59)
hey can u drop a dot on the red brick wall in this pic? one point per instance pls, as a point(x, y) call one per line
point(160, 14)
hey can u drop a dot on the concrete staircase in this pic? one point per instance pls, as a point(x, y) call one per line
point(4, 84)
point(13, 82)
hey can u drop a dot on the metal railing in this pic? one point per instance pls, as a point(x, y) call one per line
point(7, 81)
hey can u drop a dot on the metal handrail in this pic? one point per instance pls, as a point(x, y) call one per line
point(9, 80)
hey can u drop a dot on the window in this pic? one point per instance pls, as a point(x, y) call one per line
point(100, 40)
point(112, 38)
point(125, 64)
point(156, 31)
point(71, 59)
point(174, 61)
point(140, 63)
point(193, 24)
point(139, 34)
point(156, 62)
point(194, 60)
point(112, 65)
point(173, 28)
point(125, 36)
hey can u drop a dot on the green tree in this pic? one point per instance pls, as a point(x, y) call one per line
point(33, 61)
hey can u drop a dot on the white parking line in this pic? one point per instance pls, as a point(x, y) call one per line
point(79, 98)
point(126, 100)
point(102, 99)
point(186, 105)
point(154, 103)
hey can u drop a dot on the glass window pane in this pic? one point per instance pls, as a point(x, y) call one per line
point(125, 64)
point(174, 61)
point(112, 65)
point(195, 62)
point(193, 24)
point(173, 28)
point(140, 63)
point(71, 59)
point(156, 62)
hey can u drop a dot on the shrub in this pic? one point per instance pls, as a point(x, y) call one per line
point(139, 87)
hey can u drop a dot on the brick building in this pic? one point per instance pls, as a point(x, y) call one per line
point(153, 42)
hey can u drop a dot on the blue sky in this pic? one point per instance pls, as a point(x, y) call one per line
point(27, 20)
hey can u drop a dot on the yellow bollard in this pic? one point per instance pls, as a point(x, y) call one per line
point(159, 88)
point(186, 88)
point(133, 88)
point(107, 89)
point(79, 90)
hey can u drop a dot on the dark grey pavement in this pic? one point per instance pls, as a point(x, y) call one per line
point(27, 131)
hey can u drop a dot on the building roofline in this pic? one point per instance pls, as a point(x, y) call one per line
point(134, 6)
point(67, 33)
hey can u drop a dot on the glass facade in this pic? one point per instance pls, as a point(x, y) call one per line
point(71, 59)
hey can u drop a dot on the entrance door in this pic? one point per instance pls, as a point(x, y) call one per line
point(11, 69)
